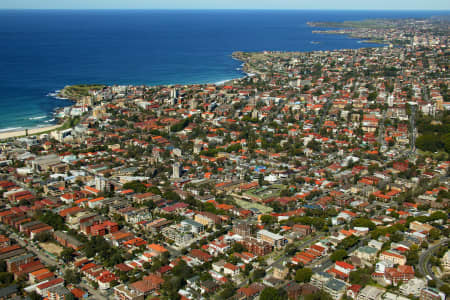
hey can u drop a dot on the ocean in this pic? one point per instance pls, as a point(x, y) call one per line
point(44, 50)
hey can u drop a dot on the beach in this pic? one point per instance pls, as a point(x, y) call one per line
point(31, 131)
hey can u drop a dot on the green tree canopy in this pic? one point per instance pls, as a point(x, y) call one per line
point(270, 293)
point(338, 255)
point(303, 275)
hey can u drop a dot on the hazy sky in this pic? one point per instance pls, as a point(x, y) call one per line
point(227, 4)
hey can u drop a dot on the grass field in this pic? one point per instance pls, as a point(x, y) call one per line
point(264, 193)
point(248, 205)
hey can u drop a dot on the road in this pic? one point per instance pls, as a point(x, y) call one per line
point(95, 293)
point(53, 262)
point(40, 254)
point(302, 246)
point(307, 243)
point(424, 266)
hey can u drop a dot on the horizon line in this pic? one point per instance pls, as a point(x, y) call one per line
point(237, 9)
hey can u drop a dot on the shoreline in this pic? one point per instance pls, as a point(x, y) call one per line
point(31, 131)
point(244, 68)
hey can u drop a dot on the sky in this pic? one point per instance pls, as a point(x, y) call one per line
point(229, 4)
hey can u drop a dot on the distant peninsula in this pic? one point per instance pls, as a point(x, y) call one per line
point(77, 92)
point(375, 31)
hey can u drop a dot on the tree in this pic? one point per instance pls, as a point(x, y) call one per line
point(6, 278)
point(171, 195)
point(291, 249)
point(67, 254)
point(338, 255)
point(361, 276)
point(303, 275)
point(237, 247)
point(228, 291)
point(136, 186)
point(364, 222)
point(321, 295)
point(54, 220)
point(434, 234)
point(43, 237)
point(34, 296)
point(70, 276)
point(270, 293)
point(445, 288)
point(257, 274)
point(412, 257)
point(267, 219)
point(146, 265)
point(348, 242)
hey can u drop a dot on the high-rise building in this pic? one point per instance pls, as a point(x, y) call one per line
point(176, 170)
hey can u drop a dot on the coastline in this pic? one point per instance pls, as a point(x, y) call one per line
point(244, 68)
point(31, 131)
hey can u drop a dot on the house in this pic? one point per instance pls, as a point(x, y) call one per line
point(367, 253)
point(216, 248)
point(218, 266)
point(200, 255)
point(370, 293)
point(207, 219)
point(44, 287)
point(147, 284)
point(13, 263)
point(341, 270)
point(104, 279)
point(446, 261)
point(4, 241)
point(246, 293)
point(304, 230)
point(420, 227)
point(276, 240)
point(58, 293)
point(297, 291)
point(250, 292)
point(280, 270)
point(336, 288)
point(67, 240)
point(319, 279)
point(192, 226)
point(124, 292)
point(256, 247)
point(230, 269)
point(353, 291)
point(157, 249)
point(402, 273)
point(413, 287)
point(431, 294)
point(393, 257)
point(40, 275)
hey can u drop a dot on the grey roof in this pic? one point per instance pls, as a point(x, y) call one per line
point(192, 223)
point(29, 224)
point(8, 291)
point(324, 274)
point(12, 253)
point(367, 249)
point(68, 238)
point(335, 285)
point(61, 290)
point(19, 258)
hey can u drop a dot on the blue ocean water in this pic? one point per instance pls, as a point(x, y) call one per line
point(44, 50)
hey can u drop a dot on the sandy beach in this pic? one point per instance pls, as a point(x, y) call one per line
point(31, 131)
